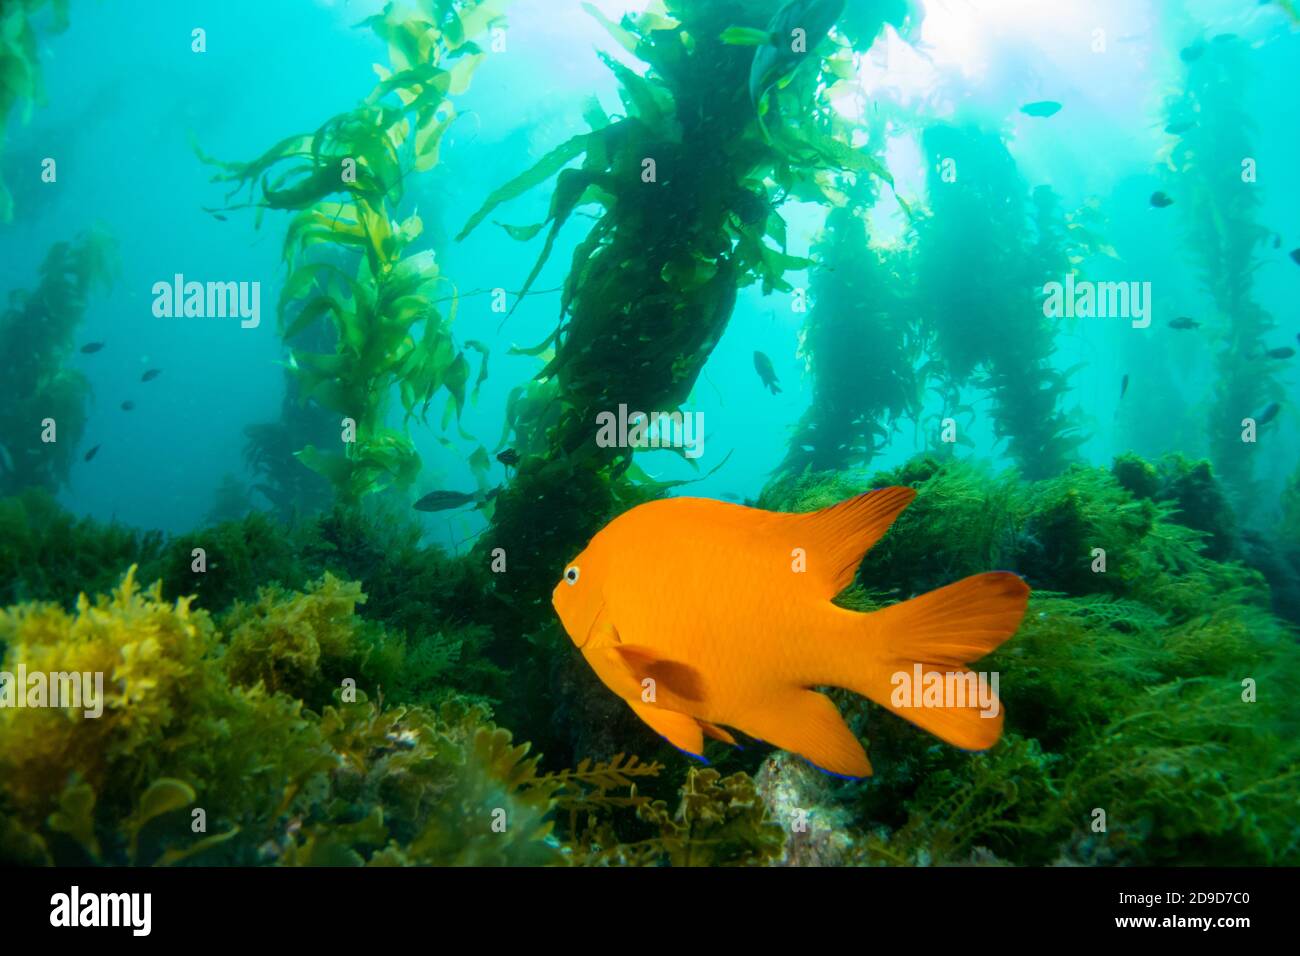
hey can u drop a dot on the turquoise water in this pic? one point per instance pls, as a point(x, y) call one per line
point(1028, 238)
point(125, 94)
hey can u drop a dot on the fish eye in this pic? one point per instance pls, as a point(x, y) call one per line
point(571, 575)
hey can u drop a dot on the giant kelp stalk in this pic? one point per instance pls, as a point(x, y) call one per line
point(20, 68)
point(270, 451)
point(985, 251)
point(686, 184)
point(352, 263)
point(42, 399)
point(860, 343)
point(1215, 188)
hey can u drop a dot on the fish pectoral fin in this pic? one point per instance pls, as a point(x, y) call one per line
point(602, 632)
point(807, 723)
point(680, 730)
point(670, 677)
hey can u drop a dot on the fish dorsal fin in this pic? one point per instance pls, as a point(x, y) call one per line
point(834, 539)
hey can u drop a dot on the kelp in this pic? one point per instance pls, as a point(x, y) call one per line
point(861, 343)
point(1218, 203)
point(685, 186)
point(37, 384)
point(985, 249)
point(1154, 690)
point(1139, 689)
point(205, 755)
point(182, 731)
point(270, 448)
point(48, 554)
point(718, 821)
point(388, 332)
point(20, 68)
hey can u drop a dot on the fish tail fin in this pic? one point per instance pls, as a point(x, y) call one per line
point(940, 633)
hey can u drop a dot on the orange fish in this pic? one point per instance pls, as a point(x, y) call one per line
point(703, 615)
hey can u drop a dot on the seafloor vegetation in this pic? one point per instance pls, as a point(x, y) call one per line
point(305, 681)
point(1157, 692)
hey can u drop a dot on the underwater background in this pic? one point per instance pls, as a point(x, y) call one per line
point(312, 545)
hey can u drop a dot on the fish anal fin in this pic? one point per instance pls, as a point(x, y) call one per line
point(671, 678)
point(807, 723)
point(681, 730)
point(835, 539)
point(717, 733)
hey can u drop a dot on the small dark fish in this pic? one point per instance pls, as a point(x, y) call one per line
point(150, 375)
point(1174, 129)
point(90, 348)
point(1268, 414)
point(731, 496)
point(450, 500)
point(1295, 256)
point(128, 405)
point(1042, 108)
point(1183, 322)
point(92, 453)
point(1123, 387)
point(445, 501)
point(1277, 242)
point(217, 215)
point(1193, 52)
point(763, 365)
point(509, 458)
point(1160, 200)
point(1285, 352)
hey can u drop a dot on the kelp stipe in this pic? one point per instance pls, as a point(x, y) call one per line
point(388, 332)
point(20, 66)
point(39, 391)
point(1211, 172)
point(985, 249)
point(861, 340)
point(688, 186)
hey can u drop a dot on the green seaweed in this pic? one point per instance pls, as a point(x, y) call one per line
point(1142, 691)
point(43, 399)
point(985, 249)
point(181, 731)
point(861, 342)
point(1219, 203)
point(686, 186)
point(20, 67)
point(47, 554)
point(352, 262)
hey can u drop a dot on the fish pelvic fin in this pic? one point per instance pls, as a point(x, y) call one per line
point(807, 723)
point(939, 633)
point(835, 538)
point(681, 730)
